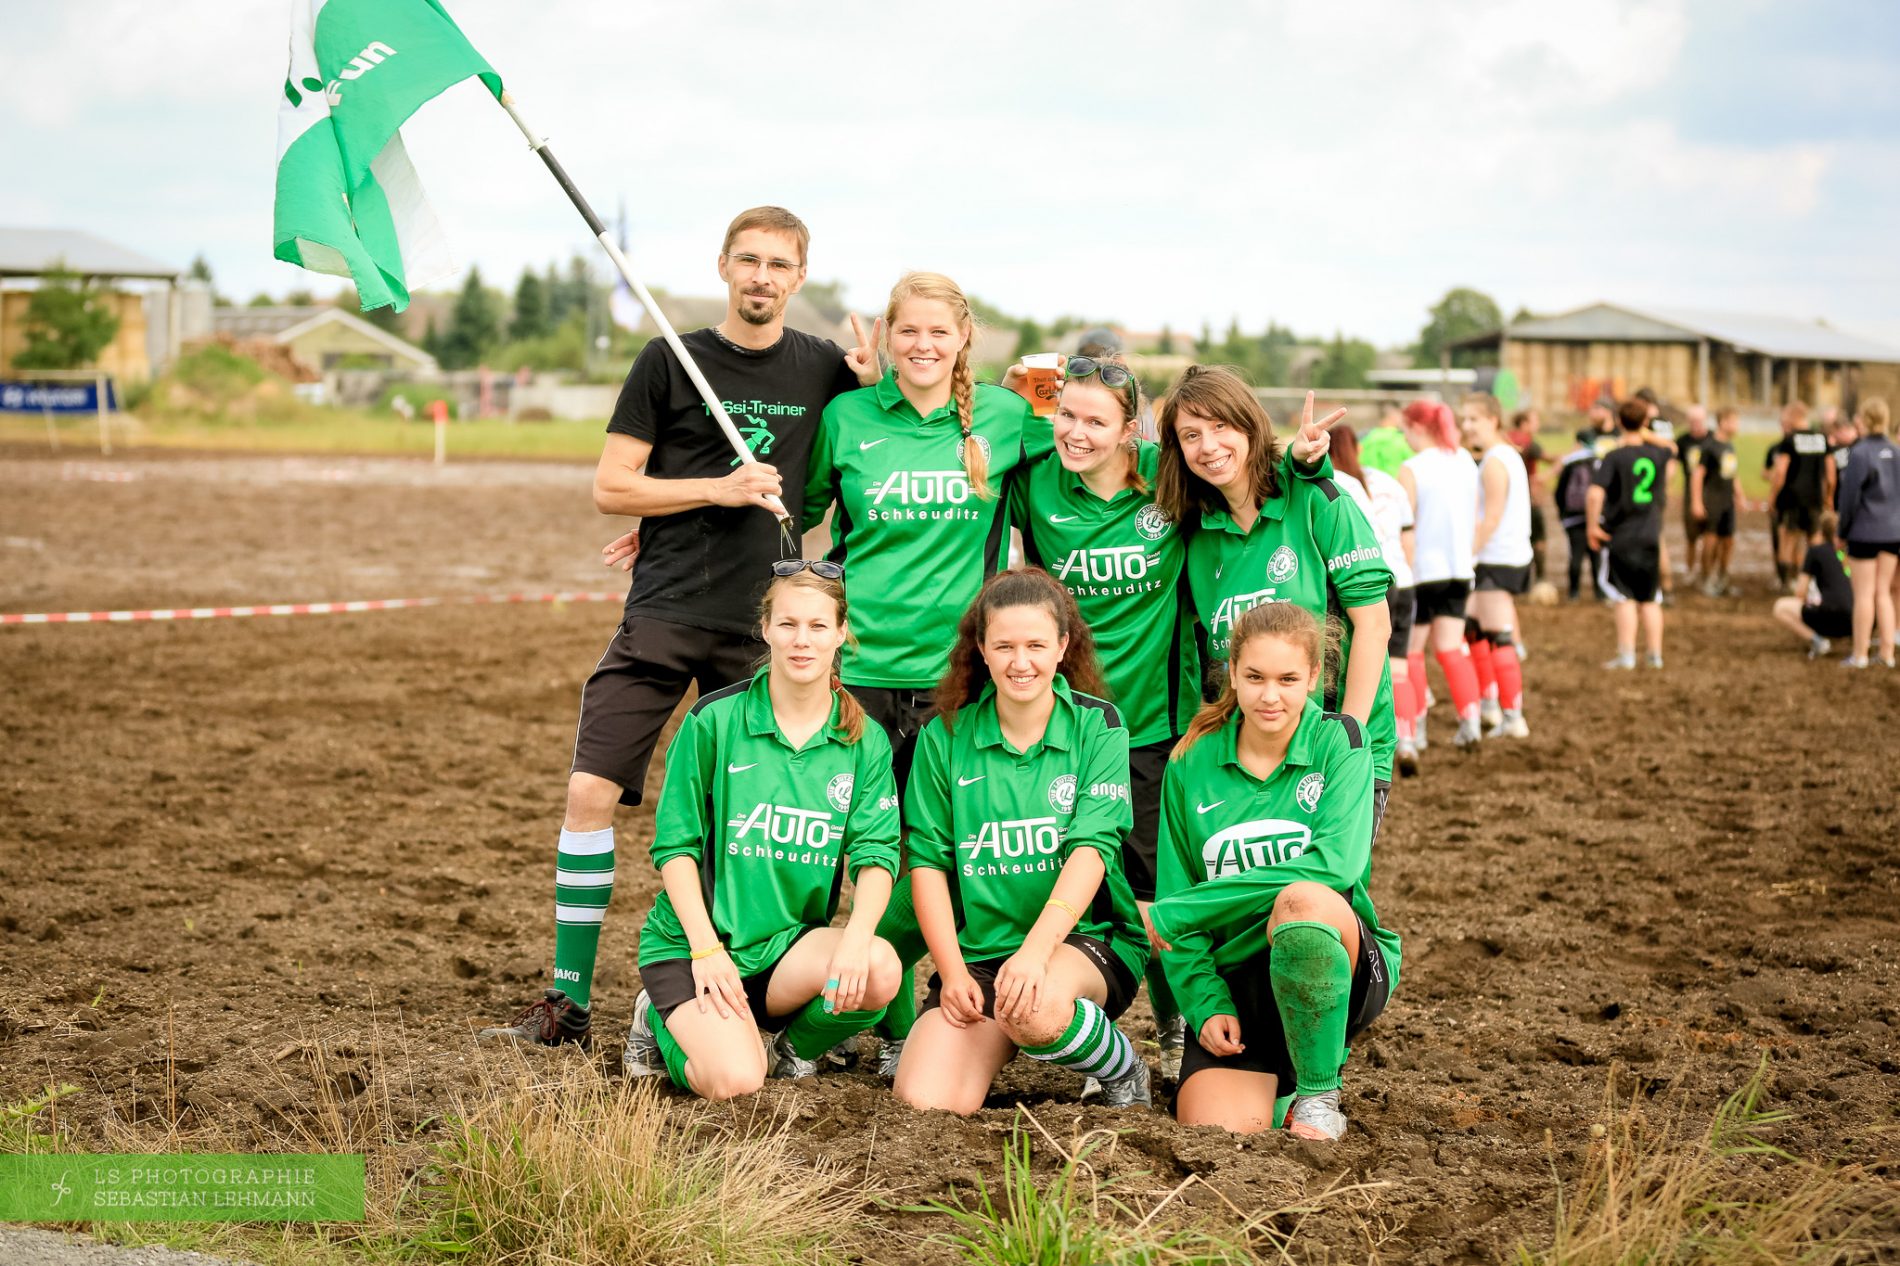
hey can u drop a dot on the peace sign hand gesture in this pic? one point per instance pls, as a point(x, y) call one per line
point(863, 358)
point(1314, 439)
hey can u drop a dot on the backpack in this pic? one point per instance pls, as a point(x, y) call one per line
point(1575, 492)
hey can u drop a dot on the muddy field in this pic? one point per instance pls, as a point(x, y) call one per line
point(227, 844)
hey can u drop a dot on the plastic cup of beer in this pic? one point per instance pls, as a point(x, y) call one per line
point(1045, 381)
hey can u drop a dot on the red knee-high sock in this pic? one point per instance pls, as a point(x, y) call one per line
point(1463, 680)
point(1480, 648)
point(1510, 673)
point(1404, 707)
point(1416, 662)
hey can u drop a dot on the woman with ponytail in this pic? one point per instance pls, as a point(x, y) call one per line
point(1442, 481)
point(1266, 925)
point(1016, 810)
point(775, 789)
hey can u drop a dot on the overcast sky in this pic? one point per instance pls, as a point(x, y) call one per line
point(1331, 165)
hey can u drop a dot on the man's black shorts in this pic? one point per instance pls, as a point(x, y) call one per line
point(1630, 573)
point(669, 986)
point(1865, 550)
point(1796, 517)
point(1721, 522)
point(1121, 985)
point(638, 684)
point(1146, 764)
point(1441, 599)
point(903, 714)
point(1402, 604)
point(1251, 985)
point(1495, 577)
point(1828, 621)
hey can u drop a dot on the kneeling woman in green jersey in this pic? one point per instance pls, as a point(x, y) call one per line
point(1269, 936)
point(1017, 807)
point(774, 789)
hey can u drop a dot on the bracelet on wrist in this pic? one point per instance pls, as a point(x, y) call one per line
point(1060, 904)
point(715, 948)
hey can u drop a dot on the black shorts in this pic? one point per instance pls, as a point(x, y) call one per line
point(1692, 527)
point(1828, 621)
point(1441, 599)
point(639, 682)
point(1146, 764)
point(1260, 1030)
point(1865, 550)
point(1795, 517)
point(1721, 521)
point(1402, 604)
point(903, 714)
point(1630, 573)
point(669, 986)
point(1497, 578)
point(1115, 974)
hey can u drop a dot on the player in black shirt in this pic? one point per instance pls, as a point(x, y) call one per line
point(1714, 499)
point(1625, 513)
point(1797, 482)
point(1691, 446)
point(1822, 606)
point(709, 539)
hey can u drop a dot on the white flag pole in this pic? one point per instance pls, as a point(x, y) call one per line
point(713, 404)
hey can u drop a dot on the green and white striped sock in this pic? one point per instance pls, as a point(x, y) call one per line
point(583, 884)
point(1091, 1045)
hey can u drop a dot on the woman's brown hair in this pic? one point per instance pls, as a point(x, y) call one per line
point(936, 286)
point(850, 711)
point(1221, 395)
point(1129, 399)
point(1284, 620)
point(964, 678)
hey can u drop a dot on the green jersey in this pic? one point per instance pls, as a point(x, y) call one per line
point(1311, 545)
point(917, 541)
point(1001, 823)
point(1122, 560)
point(1385, 448)
point(1229, 842)
point(772, 826)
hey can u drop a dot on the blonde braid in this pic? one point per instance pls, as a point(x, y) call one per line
point(963, 390)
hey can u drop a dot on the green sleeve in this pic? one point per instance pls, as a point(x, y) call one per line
point(927, 815)
point(680, 827)
point(1104, 813)
point(1355, 563)
point(1174, 850)
point(1197, 986)
point(872, 834)
point(821, 475)
point(1290, 465)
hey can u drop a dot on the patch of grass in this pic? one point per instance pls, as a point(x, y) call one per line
point(1653, 1191)
point(32, 1125)
point(308, 429)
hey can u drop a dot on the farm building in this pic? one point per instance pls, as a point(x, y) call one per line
point(1755, 363)
point(324, 338)
point(147, 308)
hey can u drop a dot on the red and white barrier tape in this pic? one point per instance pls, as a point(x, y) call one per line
point(297, 608)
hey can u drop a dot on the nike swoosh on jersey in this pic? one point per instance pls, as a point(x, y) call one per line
point(1064, 518)
point(1208, 808)
point(964, 782)
point(1218, 570)
point(864, 444)
point(740, 769)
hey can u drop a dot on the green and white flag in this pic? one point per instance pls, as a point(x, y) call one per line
point(348, 201)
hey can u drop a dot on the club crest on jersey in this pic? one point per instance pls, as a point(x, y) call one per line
point(1262, 842)
point(1062, 794)
point(838, 791)
point(1308, 792)
point(982, 446)
point(1282, 565)
point(1153, 522)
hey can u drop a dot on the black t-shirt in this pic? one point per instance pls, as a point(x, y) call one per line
point(708, 567)
point(1807, 458)
point(1633, 493)
point(1691, 451)
point(1832, 590)
point(1720, 466)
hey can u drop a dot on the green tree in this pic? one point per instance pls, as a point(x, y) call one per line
point(261, 300)
point(300, 299)
point(1272, 362)
point(531, 310)
point(1345, 364)
point(1204, 345)
point(474, 325)
point(1462, 313)
point(385, 318)
point(1165, 346)
point(828, 298)
point(67, 324)
point(1029, 337)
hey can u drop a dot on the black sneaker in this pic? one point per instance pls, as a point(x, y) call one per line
point(551, 1021)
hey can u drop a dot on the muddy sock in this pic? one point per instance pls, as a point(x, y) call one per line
point(1461, 679)
point(1478, 647)
point(814, 1030)
point(1510, 671)
point(1160, 995)
point(670, 1050)
point(899, 927)
point(1312, 987)
point(1091, 1045)
point(583, 884)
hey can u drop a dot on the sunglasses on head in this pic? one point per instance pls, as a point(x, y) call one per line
point(821, 568)
point(1113, 376)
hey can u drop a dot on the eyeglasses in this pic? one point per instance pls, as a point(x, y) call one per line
point(821, 568)
point(752, 263)
point(1113, 376)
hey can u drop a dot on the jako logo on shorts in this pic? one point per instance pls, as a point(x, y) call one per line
point(1264, 842)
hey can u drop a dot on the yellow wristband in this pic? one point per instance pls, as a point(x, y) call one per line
point(1060, 904)
point(708, 952)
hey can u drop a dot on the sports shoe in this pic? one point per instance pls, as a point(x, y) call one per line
point(1129, 1089)
point(1886, 663)
point(1317, 1117)
point(1490, 712)
point(1406, 758)
point(1652, 660)
point(843, 1055)
point(1622, 663)
point(1510, 725)
point(1173, 1038)
point(1418, 733)
point(786, 1063)
point(1854, 661)
point(887, 1057)
point(642, 1057)
point(1819, 647)
point(552, 1020)
point(1468, 735)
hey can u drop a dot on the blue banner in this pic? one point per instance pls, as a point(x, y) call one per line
point(55, 397)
